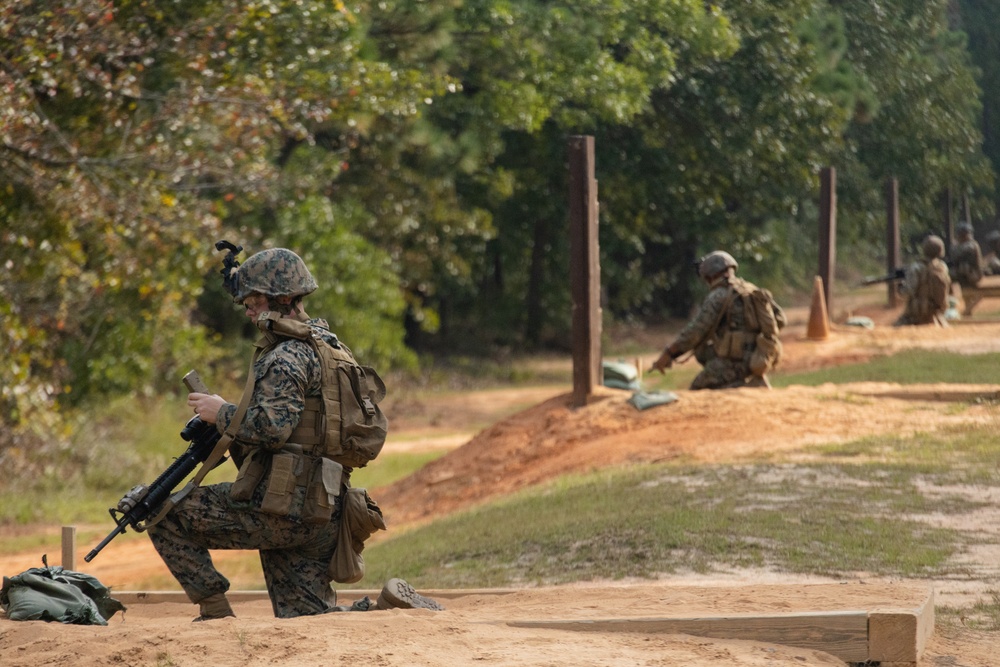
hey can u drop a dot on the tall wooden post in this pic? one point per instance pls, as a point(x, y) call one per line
point(892, 238)
point(948, 233)
point(585, 270)
point(828, 231)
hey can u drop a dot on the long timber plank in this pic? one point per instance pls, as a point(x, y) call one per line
point(842, 634)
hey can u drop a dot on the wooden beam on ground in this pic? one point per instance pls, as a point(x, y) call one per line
point(842, 634)
point(900, 637)
point(988, 288)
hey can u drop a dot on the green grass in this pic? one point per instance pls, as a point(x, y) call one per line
point(909, 367)
point(984, 614)
point(389, 467)
point(824, 519)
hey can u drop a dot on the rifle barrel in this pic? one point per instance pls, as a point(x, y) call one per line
point(106, 541)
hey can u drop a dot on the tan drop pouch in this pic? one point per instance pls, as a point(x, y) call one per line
point(285, 468)
point(322, 490)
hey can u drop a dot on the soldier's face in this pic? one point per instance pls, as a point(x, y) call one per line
point(255, 304)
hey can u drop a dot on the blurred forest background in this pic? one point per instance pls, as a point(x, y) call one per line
point(414, 153)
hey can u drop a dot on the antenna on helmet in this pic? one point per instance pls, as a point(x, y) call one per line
point(230, 266)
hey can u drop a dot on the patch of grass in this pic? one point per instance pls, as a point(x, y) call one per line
point(389, 467)
point(909, 367)
point(984, 614)
point(962, 454)
point(656, 520)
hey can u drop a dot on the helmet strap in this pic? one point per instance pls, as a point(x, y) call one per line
point(291, 308)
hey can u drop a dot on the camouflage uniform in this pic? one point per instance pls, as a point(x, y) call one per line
point(708, 324)
point(926, 287)
point(294, 555)
point(991, 262)
point(967, 259)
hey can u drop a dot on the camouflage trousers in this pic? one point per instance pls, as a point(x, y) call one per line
point(721, 373)
point(294, 556)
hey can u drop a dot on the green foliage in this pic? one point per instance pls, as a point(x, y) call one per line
point(979, 20)
point(724, 158)
point(359, 291)
point(928, 94)
point(415, 154)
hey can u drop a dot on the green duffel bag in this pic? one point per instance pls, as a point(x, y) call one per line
point(54, 594)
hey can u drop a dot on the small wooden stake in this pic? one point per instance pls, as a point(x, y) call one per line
point(69, 547)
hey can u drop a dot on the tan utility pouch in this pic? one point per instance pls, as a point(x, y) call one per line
point(285, 468)
point(249, 476)
point(730, 345)
point(322, 490)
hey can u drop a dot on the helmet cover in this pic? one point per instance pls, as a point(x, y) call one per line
point(933, 247)
point(273, 272)
point(715, 263)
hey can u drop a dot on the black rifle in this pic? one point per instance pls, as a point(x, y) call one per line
point(143, 502)
point(898, 274)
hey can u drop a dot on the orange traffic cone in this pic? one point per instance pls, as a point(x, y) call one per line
point(819, 325)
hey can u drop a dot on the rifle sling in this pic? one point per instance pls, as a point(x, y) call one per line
point(220, 447)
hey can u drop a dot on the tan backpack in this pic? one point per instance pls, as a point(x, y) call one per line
point(346, 424)
point(760, 316)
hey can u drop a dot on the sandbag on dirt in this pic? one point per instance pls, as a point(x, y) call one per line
point(54, 594)
point(643, 400)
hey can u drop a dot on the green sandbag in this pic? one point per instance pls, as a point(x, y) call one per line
point(620, 375)
point(641, 400)
point(55, 594)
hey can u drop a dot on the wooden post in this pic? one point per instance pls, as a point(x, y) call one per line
point(828, 231)
point(892, 254)
point(69, 547)
point(948, 233)
point(585, 270)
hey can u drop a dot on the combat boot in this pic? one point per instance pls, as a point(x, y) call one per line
point(759, 381)
point(400, 595)
point(214, 606)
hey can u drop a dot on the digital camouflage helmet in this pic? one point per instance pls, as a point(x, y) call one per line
point(274, 272)
point(715, 263)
